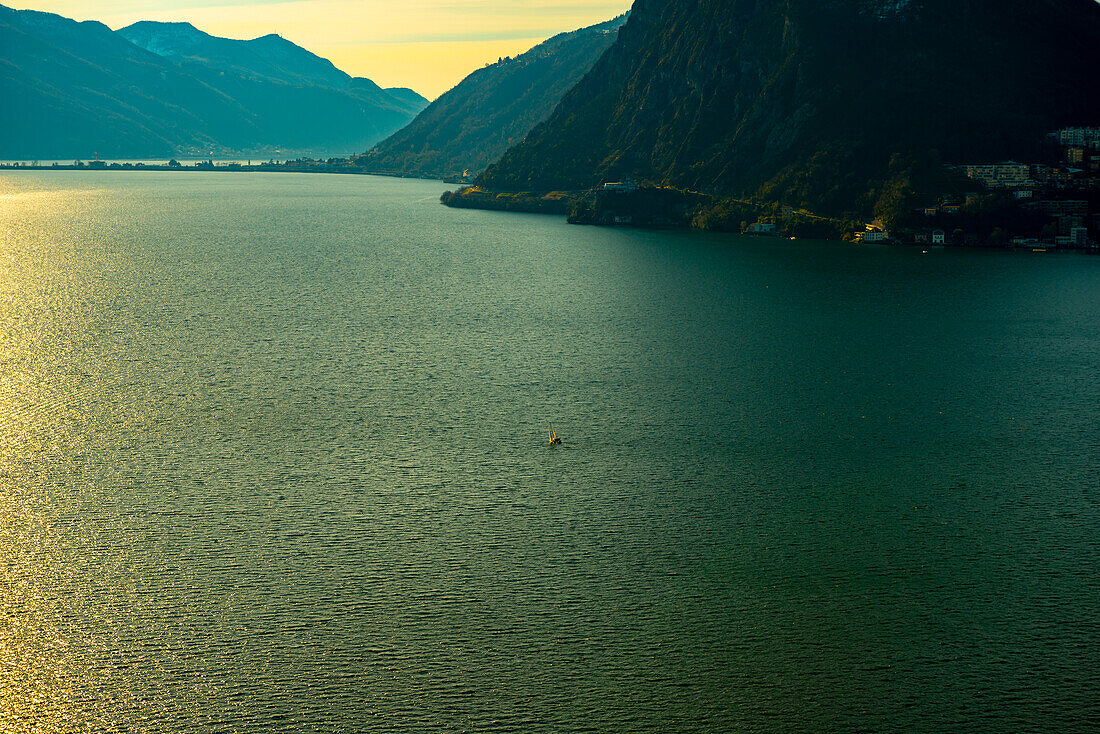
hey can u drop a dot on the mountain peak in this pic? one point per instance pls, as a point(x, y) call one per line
point(165, 38)
point(292, 58)
point(181, 26)
point(48, 22)
point(273, 38)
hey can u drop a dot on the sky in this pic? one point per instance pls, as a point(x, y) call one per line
point(428, 45)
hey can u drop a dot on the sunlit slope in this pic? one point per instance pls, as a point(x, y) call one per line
point(492, 109)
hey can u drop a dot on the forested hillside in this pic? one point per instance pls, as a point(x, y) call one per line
point(825, 104)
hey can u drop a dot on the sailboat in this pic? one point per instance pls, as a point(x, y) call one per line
point(554, 440)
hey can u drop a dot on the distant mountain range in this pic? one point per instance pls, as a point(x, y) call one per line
point(831, 105)
point(268, 57)
point(167, 89)
point(492, 109)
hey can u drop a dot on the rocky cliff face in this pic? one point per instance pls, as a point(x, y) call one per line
point(814, 102)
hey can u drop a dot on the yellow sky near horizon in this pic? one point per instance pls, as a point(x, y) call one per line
point(428, 45)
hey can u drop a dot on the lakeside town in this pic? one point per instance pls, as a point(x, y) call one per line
point(1037, 205)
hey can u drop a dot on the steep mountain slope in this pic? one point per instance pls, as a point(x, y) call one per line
point(814, 102)
point(492, 109)
point(76, 89)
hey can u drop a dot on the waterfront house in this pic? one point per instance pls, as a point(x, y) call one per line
point(875, 233)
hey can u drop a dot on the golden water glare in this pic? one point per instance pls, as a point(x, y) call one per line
point(50, 636)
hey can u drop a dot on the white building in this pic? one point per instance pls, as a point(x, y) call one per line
point(938, 236)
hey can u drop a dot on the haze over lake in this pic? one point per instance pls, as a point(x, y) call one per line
point(273, 457)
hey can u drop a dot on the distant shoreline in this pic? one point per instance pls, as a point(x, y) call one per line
point(285, 167)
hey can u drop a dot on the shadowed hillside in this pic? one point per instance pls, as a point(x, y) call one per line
point(814, 103)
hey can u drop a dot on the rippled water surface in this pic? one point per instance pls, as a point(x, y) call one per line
point(273, 459)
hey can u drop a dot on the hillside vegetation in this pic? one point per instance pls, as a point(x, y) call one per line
point(829, 105)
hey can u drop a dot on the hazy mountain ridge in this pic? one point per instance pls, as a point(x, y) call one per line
point(492, 109)
point(813, 103)
point(271, 55)
point(267, 58)
point(80, 89)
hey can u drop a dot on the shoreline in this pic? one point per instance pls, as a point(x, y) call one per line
point(288, 167)
point(641, 208)
point(647, 207)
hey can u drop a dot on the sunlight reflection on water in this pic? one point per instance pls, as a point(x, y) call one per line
point(272, 458)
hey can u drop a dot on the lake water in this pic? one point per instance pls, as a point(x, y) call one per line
point(273, 458)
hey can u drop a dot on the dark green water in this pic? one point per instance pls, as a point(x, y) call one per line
point(273, 458)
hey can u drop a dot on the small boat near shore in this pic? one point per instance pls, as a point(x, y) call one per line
point(554, 440)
